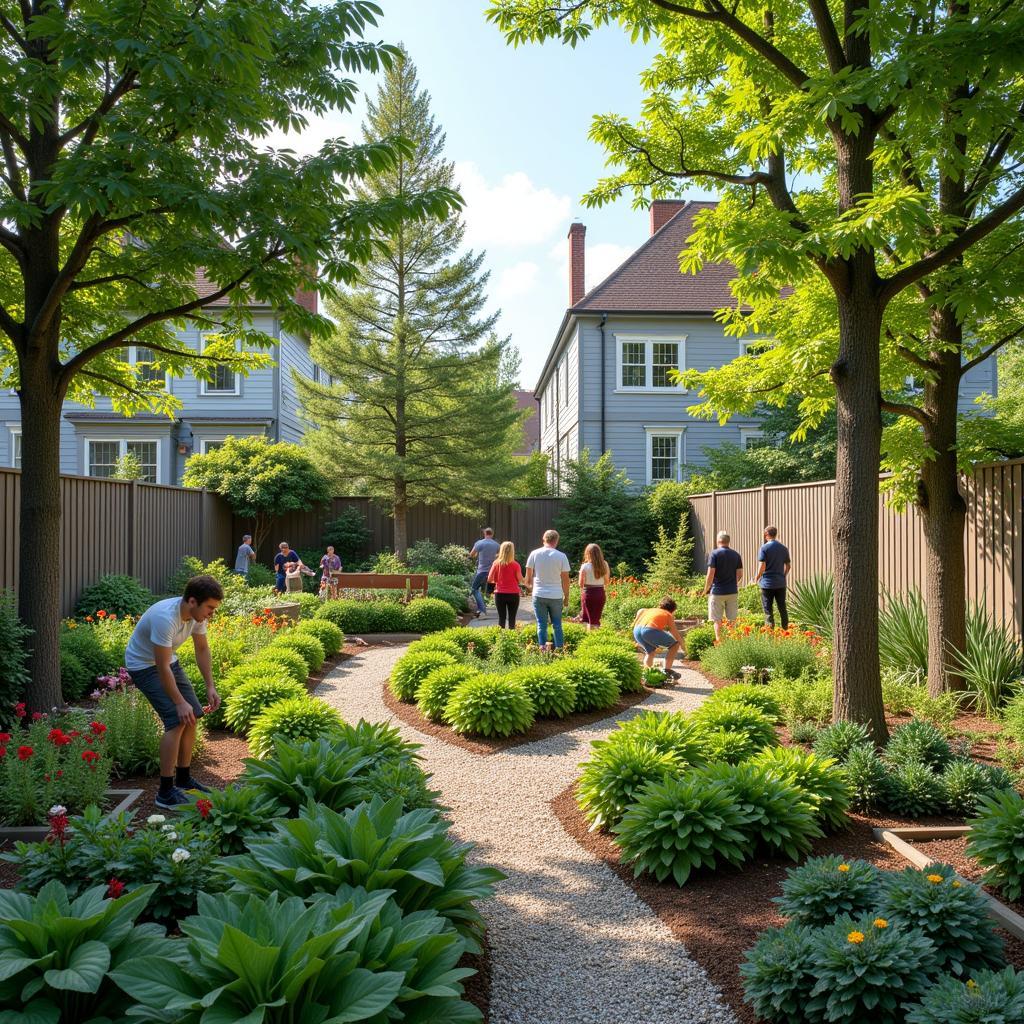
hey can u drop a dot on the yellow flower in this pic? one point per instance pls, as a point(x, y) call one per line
point(956, 885)
point(880, 922)
point(971, 983)
point(855, 937)
point(934, 879)
point(844, 867)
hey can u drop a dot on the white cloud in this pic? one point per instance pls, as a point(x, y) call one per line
point(511, 212)
point(600, 259)
point(518, 279)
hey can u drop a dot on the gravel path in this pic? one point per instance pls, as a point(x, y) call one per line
point(570, 943)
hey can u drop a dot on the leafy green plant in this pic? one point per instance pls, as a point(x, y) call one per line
point(434, 692)
point(918, 740)
point(133, 732)
point(14, 677)
point(913, 789)
point(697, 640)
point(466, 638)
point(820, 779)
point(953, 914)
point(625, 666)
point(403, 779)
point(75, 679)
point(603, 638)
point(903, 632)
point(778, 973)
point(869, 781)
point(230, 815)
point(751, 694)
point(805, 699)
point(307, 647)
point(654, 676)
point(226, 653)
point(837, 740)
point(1013, 717)
point(437, 642)
point(991, 662)
point(296, 719)
point(822, 888)
point(412, 669)
point(250, 700)
point(506, 651)
point(489, 705)
point(551, 692)
point(996, 841)
point(670, 731)
point(681, 825)
point(331, 638)
point(811, 604)
point(83, 658)
point(348, 534)
point(728, 747)
point(291, 661)
point(596, 686)
point(429, 615)
point(802, 732)
point(900, 690)
point(940, 710)
point(354, 617)
point(117, 595)
point(741, 718)
point(964, 783)
point(987, 997)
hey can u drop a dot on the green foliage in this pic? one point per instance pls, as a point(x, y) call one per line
point(698, 640)
point(429, 615)
point(230, 815)
point(83, 643)
point(901, 690)
point(307, 647)
point(536, 479)
point(388, 562)
point(869, 781)
point(436, 688)
point(14, 636)
point(903, 632)
point(464, 637)
point(1013, 717)
point(551, 692)
point(226, 654)
point(750, 694)
point(489, 705)
point(918, 740)
point(133, 732)
point(991, 663)
point(964, 783)
point(296, 719)
point(823, 783)
point(740, 718)
point(913, 789)
point(728, 747)
point(672, 558)
point(451, 560)
point(250, 699)
point(810, 604)
point(506, 651)
point(355, 617)
point(807, 699)
point(822, 888)
point(787, 657)
point(954, 915)
point(596, 686)
point(260, 576)
point(778, 973)
point(993, 997)
point(839, 738)
point(602, 637)
point(401, 778)
point(412, 669)
point(75, 679)
point(668, 731)
point(996, 841)
point(668, 506)
point(349, 535)
point(437, 642)
point(331, 638)
point(457, 597)
point(117, 595)
point(281, 658)
point(802, 732)
point(624, 665)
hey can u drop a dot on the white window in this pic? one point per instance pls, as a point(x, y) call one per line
point(224, 380)
point(208, 444)
point(751, 437)
point(16, 448)
point(142, 359)
point(754, 346)
point(101, 457)
point(666, 453)
point(648, 364)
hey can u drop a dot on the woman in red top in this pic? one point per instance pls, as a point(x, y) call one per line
point(507, 577)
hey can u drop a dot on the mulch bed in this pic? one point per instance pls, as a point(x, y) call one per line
point(478, 986)
point(542, 728)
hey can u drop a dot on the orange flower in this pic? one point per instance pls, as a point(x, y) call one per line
point(844, 867)
point(101, 614)
point(89, 618)
point(855, 937)
point(934, 879)
point(880, 922)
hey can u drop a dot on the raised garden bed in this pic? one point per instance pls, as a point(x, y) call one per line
point(121, 798)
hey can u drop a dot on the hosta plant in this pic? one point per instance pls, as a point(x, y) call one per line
point(506, 651)
point(987, 997)
point(921, 741)
point(291, 661)
point(697, 640)
point(296, 719)
point(435, 690)
point(596, 686)
point(57, 952)
point(670, 731)
point(823, 782)
point(823, 888)
point(252, 698)
point(411, 669)
point(654, 676)
point(489, 705)
point(331, 638)
point(230, 815)
point(741, 718)
point(839, 738)
point(625, 665)
point(913, 790)
point(778, 973)
point(996, 841)
point(729, 747)
point(438, 642)
point(953, 914)
point(603, 638)
point(429, 615)
point(551, 692)
point(403, 779)
point(307, 647)
point(751, 694)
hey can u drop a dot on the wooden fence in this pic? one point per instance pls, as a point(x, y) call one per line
point(803, 513)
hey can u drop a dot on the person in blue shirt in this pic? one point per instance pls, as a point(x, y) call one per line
point(281, 559)
point(772, 569)
point(722, 583)
point(485, 551)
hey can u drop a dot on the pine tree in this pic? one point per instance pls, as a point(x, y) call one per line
point(420, 406)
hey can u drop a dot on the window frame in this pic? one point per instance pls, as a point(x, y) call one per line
point(745, 344)
point(205, 441)
point(133, 361)
point(648, 341)
point(660, 430)
point(204, 385)
point(122, 447)
point(14, 432)
point(748, 434)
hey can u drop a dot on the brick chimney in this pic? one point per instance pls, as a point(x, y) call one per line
point(577, 285)
point(308, 299)
point(663, 210)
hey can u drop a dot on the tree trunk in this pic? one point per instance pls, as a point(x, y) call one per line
point(858, 691)
point(400, 516)
point(39, 536)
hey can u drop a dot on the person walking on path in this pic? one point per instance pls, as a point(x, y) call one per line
point(281, 559)
point(654, 628)
point(507, 578)
point(486, 551)
point(773, 565)
point(594, 577)
point(329, 565)
point(547, 574)
point(722, 583)
point(157, 674)
point(244, 557)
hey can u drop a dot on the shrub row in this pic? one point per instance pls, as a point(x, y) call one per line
point(422, 615)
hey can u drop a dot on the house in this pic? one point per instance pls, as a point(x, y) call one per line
point(605, 384)
point(526, 402)
point(265, 402)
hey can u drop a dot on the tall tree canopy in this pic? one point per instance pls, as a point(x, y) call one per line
point(421, 405)
point(836, 130)
point(131, 159)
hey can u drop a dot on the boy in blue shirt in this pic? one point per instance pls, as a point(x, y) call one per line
point(772, 569)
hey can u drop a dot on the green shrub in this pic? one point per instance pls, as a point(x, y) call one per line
point(573, 634)
point(918, 740)
point(992, 997)
point(991, 661)
point(83, 643)
point(806, 699)
point(1013, 717)
point(411, 669)
point(234, 813)
point(225, 654)
point(457, 598)
point(820, 779)
point(653, 676)
point(913, 790)
point(751, 694)
point(811, 603)
point(839, 738)
point(740, 718)
point(260, 576)
point(307, 647)
point(901, 690)
point(964, 783)
point(802, 732)
point(465, 636)
point(625, 665)
point(680, 825)
point(296, 719)
point(489, 705)
point(506, 651)
point(822, 888)
point(403, 779)
point(75, 679)
point(669, 731)
point(117, 595)
point(954, 915)
point(280, 657)
point(251, 698)
point(14, 677)
point(778, 973)
point(353, 617)
point(729, 747)
point(551, 692)
point(596, 686)
point(429, 615)
point(348, 534)
point(434, 692)
point(996, 841)
point(869, 781)
point(331, 638)
point(134, 732)
point(698, 640)
point(614, 775)
point(436, 642)
point(603, 638)
point(903, 633)
point(308, 602)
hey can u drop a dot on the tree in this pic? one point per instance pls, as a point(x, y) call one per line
point(745, 97)
point(536, 479)
point(260, 480)
point(421, 408)
point(130, 160)
point(128, 467)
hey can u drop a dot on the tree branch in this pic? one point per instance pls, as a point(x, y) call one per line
point(108, 279)
point(11, 328)
point(12, 30)
point(996, 151)
point(12, 243)
point(13, 176)
point(91, 124)
point(990, 351)
point(901, 409)
point(828, 34)
point(96, 375)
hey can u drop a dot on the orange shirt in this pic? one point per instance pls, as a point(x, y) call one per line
point(656, 617)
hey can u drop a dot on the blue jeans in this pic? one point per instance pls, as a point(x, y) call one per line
point(548, 608)
point(479, 582)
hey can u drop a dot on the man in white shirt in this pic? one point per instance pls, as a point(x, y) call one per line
point(547, 573)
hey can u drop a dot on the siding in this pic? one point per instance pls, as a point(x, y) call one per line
point(294, 356)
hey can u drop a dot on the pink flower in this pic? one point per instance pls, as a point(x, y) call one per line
point(19, 710)
point(114, 888)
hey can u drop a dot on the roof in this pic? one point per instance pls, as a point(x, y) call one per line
point(650, 281)
point(204, 287)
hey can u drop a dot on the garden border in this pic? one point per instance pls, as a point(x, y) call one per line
point(37, 833)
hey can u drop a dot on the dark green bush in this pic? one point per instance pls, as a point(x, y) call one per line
point(457, 598)
point(436, 688)
point(436, 642)
point(412, 669)
point(117, 595)
point(429, 615)
point(697, 640)
point(291, 661)
point(822, 888)
point(964, 783)
point(837, 740)
point(740, 718)
point(258, 575)
point(249, 701)
point(913, 790)
point(348, 534)
point(596, 686)
point(14, 636)
point(551, 692)
point(996, 841)
point(624, 665)
point(751, 694)
point(991, 997)
point(670, 731)
point(354, 617)
point(489, 705)
point(778, 973)
point(331, 638)
point(869, 781)
point(236, 812)
point(75, 679)
point(730, 747)
point(83, 643)
point(921, 741)
point(821, 780)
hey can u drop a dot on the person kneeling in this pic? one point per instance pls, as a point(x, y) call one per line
point(654, 628)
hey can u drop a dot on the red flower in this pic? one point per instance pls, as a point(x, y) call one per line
point(58, 827)
point(37, 716)
point(89, 618)
point(113, 618)
point(114, 888)
point(58, 738)
point(90, 757)
point(19, 710)
point(60, 774)
point(101, 614)
point(204, 807)
point(24, 753)
point(74, 734)
point(5, 737)
point(98, 728)
point(3, 751)
point(89, 739)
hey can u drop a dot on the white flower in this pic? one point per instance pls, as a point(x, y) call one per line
point(167, 828)
point(180, 854)
point(57, 809)
point(746, 668)
point(171, 836)
point(155, 819)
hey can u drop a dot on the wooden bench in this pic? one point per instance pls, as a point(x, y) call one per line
point(412, 584)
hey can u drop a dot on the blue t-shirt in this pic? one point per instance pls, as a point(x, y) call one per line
point(775, 557)
point(486, 552)
point(726, 562)
point(280, 559)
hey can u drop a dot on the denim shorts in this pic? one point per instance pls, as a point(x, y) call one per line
point(147, 682)
point(650, 638)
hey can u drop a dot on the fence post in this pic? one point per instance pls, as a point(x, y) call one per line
point(764, 506)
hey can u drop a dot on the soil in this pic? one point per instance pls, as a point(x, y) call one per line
point(542, 728)
point(478, 986)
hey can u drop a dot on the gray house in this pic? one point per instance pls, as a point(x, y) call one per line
point(265, 402)
point(605, 384)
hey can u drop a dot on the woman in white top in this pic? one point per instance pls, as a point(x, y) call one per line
point(594, 577)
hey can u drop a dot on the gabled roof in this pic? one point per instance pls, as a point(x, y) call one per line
point(650, 281)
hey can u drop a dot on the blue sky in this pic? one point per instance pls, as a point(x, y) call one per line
point(517, 122)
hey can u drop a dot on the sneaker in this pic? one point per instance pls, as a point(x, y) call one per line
point(193, 784)
point(171, 801)
point(671, 673)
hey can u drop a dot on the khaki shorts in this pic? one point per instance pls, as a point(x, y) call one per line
point(723, 606)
